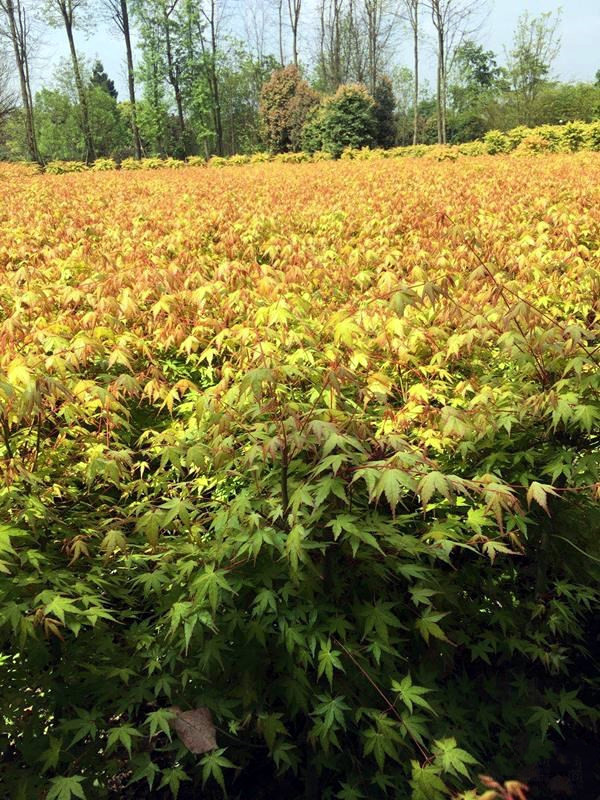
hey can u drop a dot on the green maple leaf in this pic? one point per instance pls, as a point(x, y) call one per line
point(65, 788)
point(452, 759)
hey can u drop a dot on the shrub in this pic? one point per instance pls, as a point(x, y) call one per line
point(573, 135)
point(345, 120)
point(218, 161)
point(293, 460)
point(592, 140)
point(196, 161)
point(260, 158)
point(496, 142)
point(239, 160)
point(477, 148)
point(173, 163)
point(532, 145)
point(321, 155)
point(285, 104)
point(104, 165)
point(443, 152)
point(154, 162)
point(131, 164)
point(62, 167)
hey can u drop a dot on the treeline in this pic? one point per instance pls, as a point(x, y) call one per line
point(214, 77)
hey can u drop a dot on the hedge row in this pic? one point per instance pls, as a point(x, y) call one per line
point(571, 137)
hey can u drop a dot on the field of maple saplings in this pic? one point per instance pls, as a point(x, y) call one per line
point(299, 487)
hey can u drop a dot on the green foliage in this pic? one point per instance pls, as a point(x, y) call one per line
point(385, 117)
point(345, 120)
point(357, 522)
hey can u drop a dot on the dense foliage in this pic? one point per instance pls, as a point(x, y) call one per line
point(314, 447)
point(569, 138)
point(195, 74)
point(286, 101)
point(346, 119)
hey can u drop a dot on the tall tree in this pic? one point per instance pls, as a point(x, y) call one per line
point(385, 113)
point(66, 11)
point(169, 8)
point(100, 80)
point(153, 110)
point(453, 21)
point(331, 65)
point(410, 12)
point(280, 32)
point(535, 46)
point(294, 9)
point(378, 25)
point(119, 14)
point(7, 96)
point(18, 29)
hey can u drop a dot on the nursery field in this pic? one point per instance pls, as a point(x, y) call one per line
point(299, 480)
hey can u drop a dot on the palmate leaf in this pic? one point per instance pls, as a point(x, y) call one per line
point(123, 735)
point(452, 758)
point(173, 777)
point(328, 660)
point(539, 492)
point(51, 756)
point(160, 720)
point(426, 783)
point(213, 765)
point(411, 694)
point(427, 625)
point(432, 483)
point(66, 788)
point(144, 770)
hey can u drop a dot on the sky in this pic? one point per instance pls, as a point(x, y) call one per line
point(579, 58)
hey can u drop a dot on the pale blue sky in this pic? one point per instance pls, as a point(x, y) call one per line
point(579, 58)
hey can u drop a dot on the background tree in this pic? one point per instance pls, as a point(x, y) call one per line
point(453, 21)
point(475, 85)
point(100, 80)
point(58, 117)
point(379, 28)
point(66, 12)
point(347, 119)
point(7, 94)
point(385, 113)
point(118, 11)
point(330, 65)
point(294, 9)
point(285, 103)
point(16, 26)
point(535, 46)
point(410, 12)
point(209, 32)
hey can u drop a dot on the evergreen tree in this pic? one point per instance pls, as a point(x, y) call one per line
point(385, 113)
point(101, 80)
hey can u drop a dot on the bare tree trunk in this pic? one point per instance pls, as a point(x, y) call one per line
point(137, 142)
point(173, 74)
point(437, 17)
point(18, 34)
point(415, 27)
point(280, 13)
point(90, 154)
point(452, 20)
point(294, 8)
point(440, 88)
point(372, 10)
point(213, 76)
point(331, 43)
